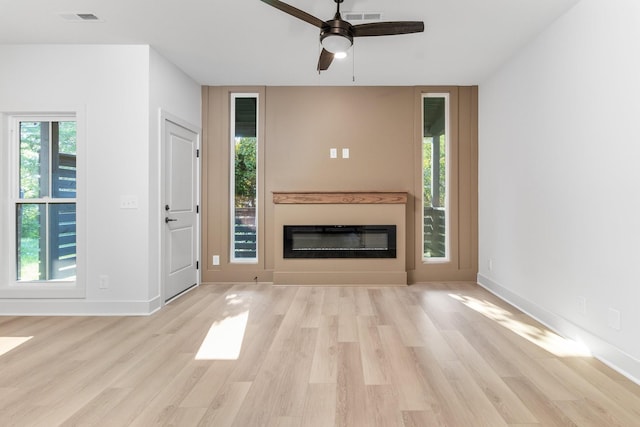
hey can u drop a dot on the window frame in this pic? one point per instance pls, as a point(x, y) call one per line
point(448, 176)
point(11, 287)
point(232, 153)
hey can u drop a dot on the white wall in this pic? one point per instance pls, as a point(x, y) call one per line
point(112, 85)
point(175, 94)
point(559, 172)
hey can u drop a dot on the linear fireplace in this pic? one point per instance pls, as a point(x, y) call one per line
point(339, 241)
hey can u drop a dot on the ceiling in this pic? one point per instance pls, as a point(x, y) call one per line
point(245, 42)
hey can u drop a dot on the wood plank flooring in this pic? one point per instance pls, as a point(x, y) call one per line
point(423, 355)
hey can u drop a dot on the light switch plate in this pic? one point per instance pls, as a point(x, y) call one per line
point(333, 153)
point(345, 153)
point(128, 202)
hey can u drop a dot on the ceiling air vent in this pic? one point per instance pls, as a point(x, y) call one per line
point(88, 17)
point(361, 16)
point(80, 17)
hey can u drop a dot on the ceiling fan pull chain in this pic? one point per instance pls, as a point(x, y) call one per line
point(353, 64)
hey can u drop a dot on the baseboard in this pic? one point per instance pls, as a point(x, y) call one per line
point(608, 354)
point(62, 307)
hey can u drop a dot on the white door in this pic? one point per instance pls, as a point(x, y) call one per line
point(180, 210)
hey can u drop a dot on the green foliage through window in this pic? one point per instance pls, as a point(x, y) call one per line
point(245, 172)
point(427, 171)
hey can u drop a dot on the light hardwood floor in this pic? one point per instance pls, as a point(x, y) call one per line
point(423, 355)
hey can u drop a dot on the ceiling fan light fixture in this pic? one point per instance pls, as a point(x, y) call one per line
point(340, 55)
point(336, 43)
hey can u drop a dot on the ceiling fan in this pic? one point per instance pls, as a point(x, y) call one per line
point(336, 35)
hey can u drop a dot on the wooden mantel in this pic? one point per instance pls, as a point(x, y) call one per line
point(339, 197)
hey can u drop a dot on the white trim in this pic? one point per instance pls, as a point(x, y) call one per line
point(9, 286)
point(5, 224)
point(447, 193)
point(232, 182)
point(607, 353)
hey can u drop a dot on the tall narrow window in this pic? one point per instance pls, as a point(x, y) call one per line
point(244, 154)
point(45, 206)
point(435, 124)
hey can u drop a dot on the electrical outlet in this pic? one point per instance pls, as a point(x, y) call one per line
point(103, 282)
point(614, 319)
point(216, 260)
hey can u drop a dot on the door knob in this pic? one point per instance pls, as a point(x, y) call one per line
point(168, 220)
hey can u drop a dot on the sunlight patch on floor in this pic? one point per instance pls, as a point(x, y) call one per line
point(233, 299)
point(544, 338)
point(9, 343)
point(224, 339)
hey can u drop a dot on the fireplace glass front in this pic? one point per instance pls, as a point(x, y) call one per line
point(339, 241)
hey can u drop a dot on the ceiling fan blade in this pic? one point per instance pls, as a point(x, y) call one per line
point(387, 28)
point(325, 60)
point(296, 12)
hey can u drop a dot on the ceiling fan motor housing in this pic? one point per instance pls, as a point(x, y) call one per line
point(336, 28)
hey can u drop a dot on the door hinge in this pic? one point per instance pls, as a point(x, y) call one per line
point(197, 209)
point(197, 265)
point(198, 153)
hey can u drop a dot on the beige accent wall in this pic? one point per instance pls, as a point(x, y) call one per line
point(381, 128)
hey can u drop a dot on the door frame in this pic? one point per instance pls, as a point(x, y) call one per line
point(166, 117)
